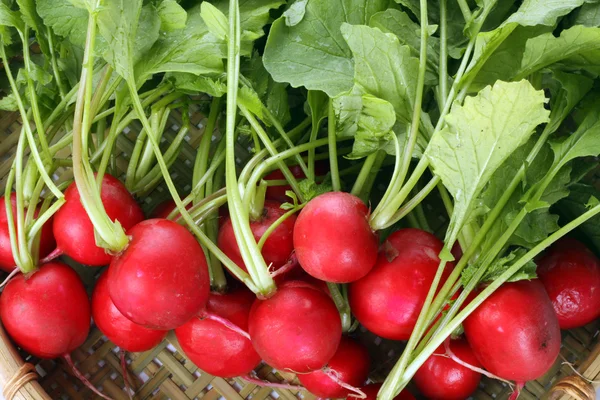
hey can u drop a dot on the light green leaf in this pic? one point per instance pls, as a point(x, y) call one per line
point(172, 15)
point(193, 84)
point(585, 141)
point(192, 49)
point(575, 205)
point(587, 15)
point(9, 17)
point(9, 103)
point(383, 67)
point(567, 90)
point(31, 18)
point(499, 266)
point(407, 31)
point(37, 74)
point(318, 104)
point(214, 19)
point(543, 12)
point(295, 13)
point(478, 137)
point(277, 101)
point(249, 99)
point(310, 189)
point(65, 19)
point(313, 53)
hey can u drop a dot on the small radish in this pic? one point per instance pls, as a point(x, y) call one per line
point(443, 378)
point(47, 243)
point(161, 279)
point(121, 331)
point(298, 329)
point(333, 239)
point(372, 390)
point(215, 347)
point(74, 231)
point(571, 275)
point(347, 370)
point(278, 246)
point(388, 300)
point(514, 333)
point(277, 192)
point(48, 313)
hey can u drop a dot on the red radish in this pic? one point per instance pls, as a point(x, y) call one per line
point(161, 280)
point(571, 275)
point(47, 243)
point(514, 333)
point(48, 313)
point(388, 300)
point(349, 365)
point(372, 390)
point(443, 378)
point(121, 331)
point(216, 348)
point(333, 239)
point(277, 193)
point(278, 246)
point(74, 231)
point(457, 252)
point(298, 329)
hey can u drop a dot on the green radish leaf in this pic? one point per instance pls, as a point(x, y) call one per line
point(9, 103)
point(66, 20)
point(587, 15)
point(194, 84)
point(499, 266)
point(383, 67)
point(318, 106)
point(313, 53)
point(249, 99)
point(295, 13)
point(575, 205)
point(310, 189)
point(478, 137)
point(543, 12)
point(172, 16)
point(9, 17)
point(214, 19)
point(31, 18)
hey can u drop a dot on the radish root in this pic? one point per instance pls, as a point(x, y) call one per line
point(261, 382)
point(517, 391)
point(55, 254)
point(335, 376)
point(83, 379)
point(125, 374)
point(225, 322)
point(291, 263)
point(482, 371)
point(9, 277)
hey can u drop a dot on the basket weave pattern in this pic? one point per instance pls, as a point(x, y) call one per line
point(165, 372)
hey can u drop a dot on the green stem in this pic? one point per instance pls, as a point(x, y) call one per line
point(278, 222)
point(201, 162)
point(285, 138)
point(55, 70)
point(333, 161)
point(314, 131)
point(27, 264)
point(416, 200)
point(342, 306)
point(465, 10)
point(364, 173)
point(443, 67)
point(257, 205)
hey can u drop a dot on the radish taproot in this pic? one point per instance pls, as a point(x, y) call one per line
point(161, 279)
point(115, 326)
point(388, 300)
point(571, 275)
point(308, 326)
point(347, 370)
point(333, 239)
point(73, 228)
point(277, 247)
point(514, 333)
point(441, 377)
point(221, 349)
point(47, 242)
point(48, 313)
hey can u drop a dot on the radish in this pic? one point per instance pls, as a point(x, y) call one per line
point(48, 313)
point(47, 243)
point(221, 349)
point(333, 239)
point(278, 246)
point(298, 329)
point(388, 300)
point(441, 377)
point(372, 390)
point(120, 330)
point(347, 370)
point(571, 275)
point(514, 333)
point(161, 279)
point(74, 231)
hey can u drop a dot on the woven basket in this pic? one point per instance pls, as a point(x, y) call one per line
point(165, 372)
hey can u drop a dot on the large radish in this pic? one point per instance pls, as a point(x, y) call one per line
point(217, 340)
point(48, 313)
point(277, 247)
point(161, 279)
point(571, 275)
point(120, 330)
point(388, 300)
point(347, 370)
point(73, 228)
point(515, 333)
point(441, 377)
point(297, 329)
point(333, 239)
point(47, 243)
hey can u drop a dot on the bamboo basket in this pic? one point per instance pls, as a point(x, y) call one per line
point(165, 372)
